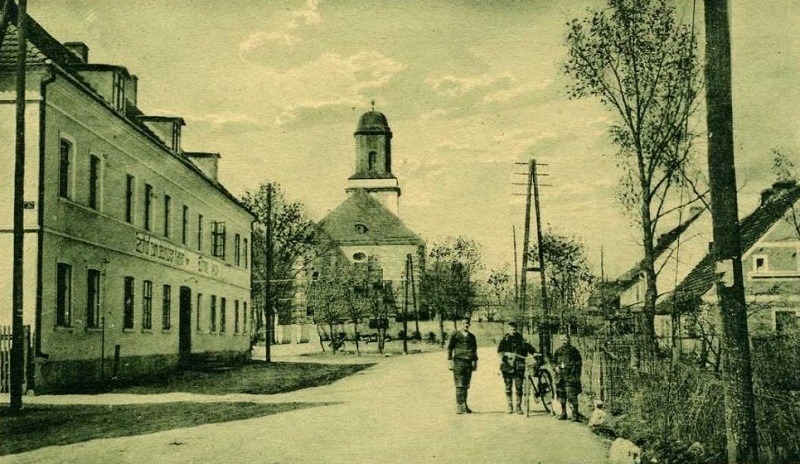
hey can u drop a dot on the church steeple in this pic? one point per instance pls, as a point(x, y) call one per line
point(373, 169)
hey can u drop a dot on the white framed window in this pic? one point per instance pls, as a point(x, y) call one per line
point(760, 263)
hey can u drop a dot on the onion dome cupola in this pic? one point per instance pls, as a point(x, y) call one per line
point(373, 168)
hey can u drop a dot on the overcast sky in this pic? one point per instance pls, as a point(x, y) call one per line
point(470, 87)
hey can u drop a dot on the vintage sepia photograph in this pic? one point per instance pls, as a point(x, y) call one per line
point(418, 231)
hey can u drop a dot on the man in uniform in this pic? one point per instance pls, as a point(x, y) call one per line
point(512, 351)
point(462, 359)
point(568, 364)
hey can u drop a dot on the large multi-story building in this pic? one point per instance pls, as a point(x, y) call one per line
point(136, 258)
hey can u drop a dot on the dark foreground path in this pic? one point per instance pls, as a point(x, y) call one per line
point(399, 411)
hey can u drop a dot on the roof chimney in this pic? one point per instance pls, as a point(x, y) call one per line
point(79, 49)
point(207, 162)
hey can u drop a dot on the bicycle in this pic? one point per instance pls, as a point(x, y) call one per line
point(537, 381)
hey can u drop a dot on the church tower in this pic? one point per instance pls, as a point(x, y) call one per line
point(373, 170)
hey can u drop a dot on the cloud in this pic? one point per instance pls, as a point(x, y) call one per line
point(285, 34)
point(332, 80)
point(453, 86)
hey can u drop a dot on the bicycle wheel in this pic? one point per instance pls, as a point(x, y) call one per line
point(527, 386)
point(546, 388)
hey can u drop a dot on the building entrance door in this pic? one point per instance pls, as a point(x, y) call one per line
point(185, 327)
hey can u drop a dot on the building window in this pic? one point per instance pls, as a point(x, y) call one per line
point(212, 327)
point(198, 327)
point(184, 224)
point(127, 322)
point(222, 314)
point(93, 299)
point(64, 295)
point(373, 160)
point(176, 136)
point(237, 249)
point(236, 316)
point(244, 317)
point(218, 239)
point(147, 305)
point(760, 263)
point(245, 253)
point(148, 207)
point(64, 168)
point(130, 187)
point(359, 256)
point(167, 215)
point(361, 229)
point(94, 182)
point(200, 232)
point(119, 92)
point(166, 305)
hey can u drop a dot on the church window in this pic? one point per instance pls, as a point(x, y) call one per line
point(373, 160)
point(361, 229)
point(359, 256)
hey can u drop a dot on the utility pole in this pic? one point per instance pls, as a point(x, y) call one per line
point(414, 296)
point(405, 304)
point(268, 280)
point(544, 329)
point(737, 372)
point(17, 337)
point(523, 283)
point(516, 269)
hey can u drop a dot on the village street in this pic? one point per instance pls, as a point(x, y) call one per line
point(399, 411)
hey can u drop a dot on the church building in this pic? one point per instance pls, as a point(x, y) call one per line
point(367, 228)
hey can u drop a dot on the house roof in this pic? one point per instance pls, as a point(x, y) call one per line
point(752, 228)
point(44, 49)
point(380, 226)
point(663, 243)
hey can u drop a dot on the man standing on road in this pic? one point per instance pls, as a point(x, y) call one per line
point(568, 364)
point(462, 359)
point(513, 350)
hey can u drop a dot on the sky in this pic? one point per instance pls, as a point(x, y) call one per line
point(470, 89)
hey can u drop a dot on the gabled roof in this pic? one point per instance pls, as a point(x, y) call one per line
point(752, 228)
point(663, 243)
point(382, 226)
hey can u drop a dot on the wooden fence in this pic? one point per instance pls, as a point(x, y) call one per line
point(5, 357)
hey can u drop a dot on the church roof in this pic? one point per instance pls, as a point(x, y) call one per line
point(372, 122)
point(363, 220)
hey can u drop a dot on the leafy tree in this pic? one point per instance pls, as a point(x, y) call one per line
point(294, 245)
point(568, 278)
point(643, 66)
point(448, 285)
point(498, 287)
point(326, 299)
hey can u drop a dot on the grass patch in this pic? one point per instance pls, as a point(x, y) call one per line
point(37, 426)
point(252, 378)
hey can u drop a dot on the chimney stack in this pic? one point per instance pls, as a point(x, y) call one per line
point(79, 49)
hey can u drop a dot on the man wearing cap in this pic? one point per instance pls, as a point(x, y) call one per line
point(568, 365)
point(462, 359)
point(513, 349)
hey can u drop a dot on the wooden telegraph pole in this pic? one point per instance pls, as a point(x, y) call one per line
point(737, 373)
point(17, 338)
point(268, 281)
point(523, 282)
point(544, 329)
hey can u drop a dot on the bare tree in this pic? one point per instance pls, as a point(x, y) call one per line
point(642, 65)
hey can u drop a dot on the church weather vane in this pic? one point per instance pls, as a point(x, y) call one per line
point(373, 104)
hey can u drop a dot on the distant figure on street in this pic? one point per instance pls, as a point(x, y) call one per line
point(462, 359)
point(568, 365)
point(512, 350)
